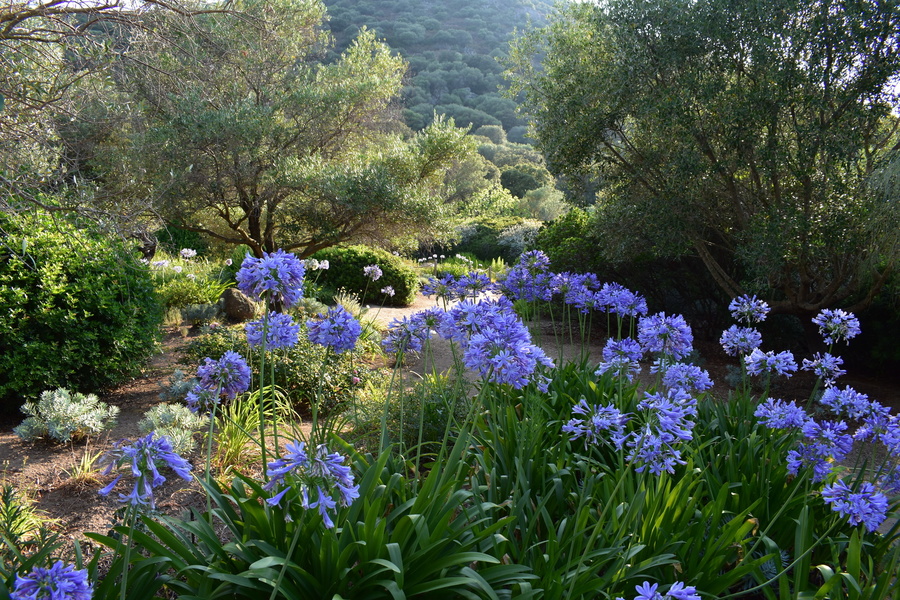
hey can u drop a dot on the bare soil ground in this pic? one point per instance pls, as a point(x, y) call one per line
point(43, 471)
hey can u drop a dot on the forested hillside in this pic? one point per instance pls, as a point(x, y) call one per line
point(451, 48)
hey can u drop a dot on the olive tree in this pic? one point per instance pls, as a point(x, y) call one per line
point(746, 133)
point(248, 135)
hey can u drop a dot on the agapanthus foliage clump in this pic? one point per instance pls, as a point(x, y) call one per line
point(143, 460)
point(318, 480)
point(57, 582)
point(277, 278)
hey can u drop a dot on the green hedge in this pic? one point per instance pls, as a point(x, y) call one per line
point(79, 310)
point(346, 271)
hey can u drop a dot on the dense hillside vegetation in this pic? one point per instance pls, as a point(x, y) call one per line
point(451, 48)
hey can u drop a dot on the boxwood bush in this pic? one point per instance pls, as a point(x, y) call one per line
point(346, 271)
point(79, 309)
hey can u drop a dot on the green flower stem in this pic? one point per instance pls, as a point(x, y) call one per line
point(130, 517)
point(287, 558)
point(262, 387)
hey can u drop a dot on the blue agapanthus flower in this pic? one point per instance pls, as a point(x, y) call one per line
point(689, 378)
point(668, 335)
point(847, 402)
point(229, 376)
point(676, 591)
point(143, 460)
point(621, 301)
point(621, 358)
point(825, 366)
point(597, 424)
point(337, 330)
point(865, 505)
point(373, 272)
point(59, 582)
point(473, 284)
point(446, 288)
point(748, 309)
point(837, 325)
point(781, 363)
point(276, 277)
point(740, 341)
point(826, 443)
point(280, 331)
point(778, 414)
point(323, 471)
point(530, 279)
point(410, 333)
point(200, 400)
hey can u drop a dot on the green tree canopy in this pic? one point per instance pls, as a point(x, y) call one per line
point(247, 135)
point(745, 132)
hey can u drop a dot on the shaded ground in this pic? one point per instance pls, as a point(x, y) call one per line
point(43, 471)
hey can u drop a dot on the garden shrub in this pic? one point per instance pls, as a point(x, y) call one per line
point(176, 422)
point(482, 238)
point(297, 370)
point(346, 272)
point(79, 308)
point(64, 417)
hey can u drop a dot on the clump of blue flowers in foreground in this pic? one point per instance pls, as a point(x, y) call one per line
point(143, 460)
point(58, 582)
point(677, 591)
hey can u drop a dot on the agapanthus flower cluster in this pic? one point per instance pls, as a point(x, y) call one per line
point(473, 284)
point(495, 342)
point(676, 591)
point(143, 460)
point(313, 264)
point(388, 291)
point(280, 331)
point(667, 335)
point(740, 341)
point(864, 505)
point(780, 363)
point(59, 582)
point(323, 474)
point(187, 253)
point(337, 329)
point(597, 424)
point(228, 376)
point(847, 402)
point(778, 414)
point(825, 366)
point(748, 309)
point(530, 278)
point(621, 301)
point(410, 333)
point(621, 358)
point(373, 272)
point(276, 277)
point(446, 288)
point(837, 325)
point(826, 443)
point(159, 264)
point(689, 378)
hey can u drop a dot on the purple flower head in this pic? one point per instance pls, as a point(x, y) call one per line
point(597, 424)
point(502, 358)
point(373, 272)
point(229, 375)
point(740, 341)
point(781, 363)
point(187, 253)
point(836, 325)
point(621, 301)
point(474, 284)
point(847, 402)
point(530, 279)
point(650, 451)
point(59, 582)
point(324, 471)
point(277, 277)
point(671, 412)
point(281, 331)
point(690, 378)
point(621, 358)
point(827, 444)
point(778, 414)
point(446, 288)
point(826, 367)
point(406, 335)
point(864, 506)
point(748, 309)
point(142, 460)
point(646, 591)
point(337, 330)
point(677, 591)
point(670, 336)
point(388, 291)
point(200, 400)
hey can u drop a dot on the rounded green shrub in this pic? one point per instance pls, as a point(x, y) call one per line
point(346, 272)
point(79, 309)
